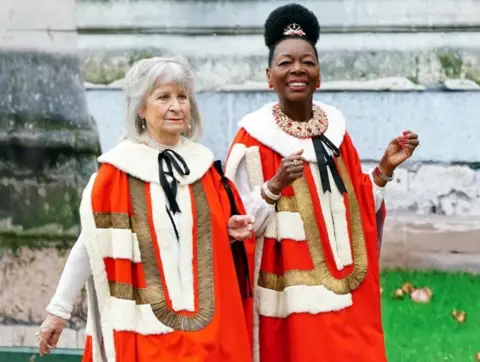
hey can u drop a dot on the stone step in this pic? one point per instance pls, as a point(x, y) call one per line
point(32, 25)
point(24, 336)
point(431, 243)
point(235, 14)
point(223, 39)
point(219, 61)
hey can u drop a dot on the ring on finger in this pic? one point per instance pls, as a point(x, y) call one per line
point(295, 162)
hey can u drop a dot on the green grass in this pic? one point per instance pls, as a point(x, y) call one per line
point(427, 332)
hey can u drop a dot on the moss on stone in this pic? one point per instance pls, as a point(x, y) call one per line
point(60, 208)
point(474, 75)
point(109, 68)
point(413, 79)
point(15, 240)
point(452, 64)
point(42, 207)
point(102, 73)
point(138, 55)
point(422, 67)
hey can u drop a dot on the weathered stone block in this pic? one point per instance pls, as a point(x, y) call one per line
point(48, 143)
point(28, 279)
point(444, 190)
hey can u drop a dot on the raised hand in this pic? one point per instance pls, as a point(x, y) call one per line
point(291, 169)
point(400, 149)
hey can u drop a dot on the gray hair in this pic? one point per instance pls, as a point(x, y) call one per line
point(143, 77)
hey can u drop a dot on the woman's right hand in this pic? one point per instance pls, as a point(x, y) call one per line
point(291, 169)
point(49, 334)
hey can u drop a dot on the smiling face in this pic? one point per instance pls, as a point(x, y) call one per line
point(167, 110)
point(294, 71)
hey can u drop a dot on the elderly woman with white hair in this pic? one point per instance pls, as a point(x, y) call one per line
point(156, 243)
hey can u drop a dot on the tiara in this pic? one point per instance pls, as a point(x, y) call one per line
point(294, 29)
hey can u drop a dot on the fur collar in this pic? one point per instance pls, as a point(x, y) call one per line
point(141, 161)
point(262, 126)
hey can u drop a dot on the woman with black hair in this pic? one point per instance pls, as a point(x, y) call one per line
point(318, 217)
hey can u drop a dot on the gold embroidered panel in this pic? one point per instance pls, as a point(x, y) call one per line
point(320, 275)
point(127, 291)
point(154, 293)
point(116, 220)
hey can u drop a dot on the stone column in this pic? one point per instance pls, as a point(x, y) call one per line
point(48, 149)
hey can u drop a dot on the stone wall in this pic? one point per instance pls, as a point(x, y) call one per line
point(364, 39)
point(48, 149)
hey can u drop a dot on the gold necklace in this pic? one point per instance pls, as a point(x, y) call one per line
point(314, 127)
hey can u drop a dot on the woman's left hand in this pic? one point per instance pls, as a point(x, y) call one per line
point(240, 227)
point(400, 149)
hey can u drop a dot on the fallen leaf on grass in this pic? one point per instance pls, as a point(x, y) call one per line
point(398, 294)
point(422, 295)
point(460, 316)
point(408, 288)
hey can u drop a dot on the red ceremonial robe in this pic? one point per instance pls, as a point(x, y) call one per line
point(148, 299)
point(317, 290)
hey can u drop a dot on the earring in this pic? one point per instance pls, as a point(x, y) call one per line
point(270, 86)
point(189, 127)
point(143, 124)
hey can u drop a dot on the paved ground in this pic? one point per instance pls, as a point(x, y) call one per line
point(434, 242)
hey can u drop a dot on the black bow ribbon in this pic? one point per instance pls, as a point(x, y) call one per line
point(325, 161)
point(172, 161)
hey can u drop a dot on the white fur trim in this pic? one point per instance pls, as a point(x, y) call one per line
point(177, 267)
point(98, 272)
point(260, 241)
point(255, 173)
point(254, 166)
point(324, 199)
point(271, 230)
point(127, 316)
point(141, 161)
point(340, 225)
point(261, 125)
point(299, 299)
point(378, 192)
point(89, 325)
point(290, 226)
point(334, 214)
point(92, 328)
point(168, 252)
point(185, 269)
point(118, 244)
point(237, 153)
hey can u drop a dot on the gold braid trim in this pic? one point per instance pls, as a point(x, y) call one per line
point(154, 292)
point(302, 203)
point(128, 292)
point(115, 220)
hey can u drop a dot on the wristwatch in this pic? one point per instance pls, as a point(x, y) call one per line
point(379, 172)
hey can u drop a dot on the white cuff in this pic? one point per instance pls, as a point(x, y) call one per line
point(378, 193)
point(60, 309)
